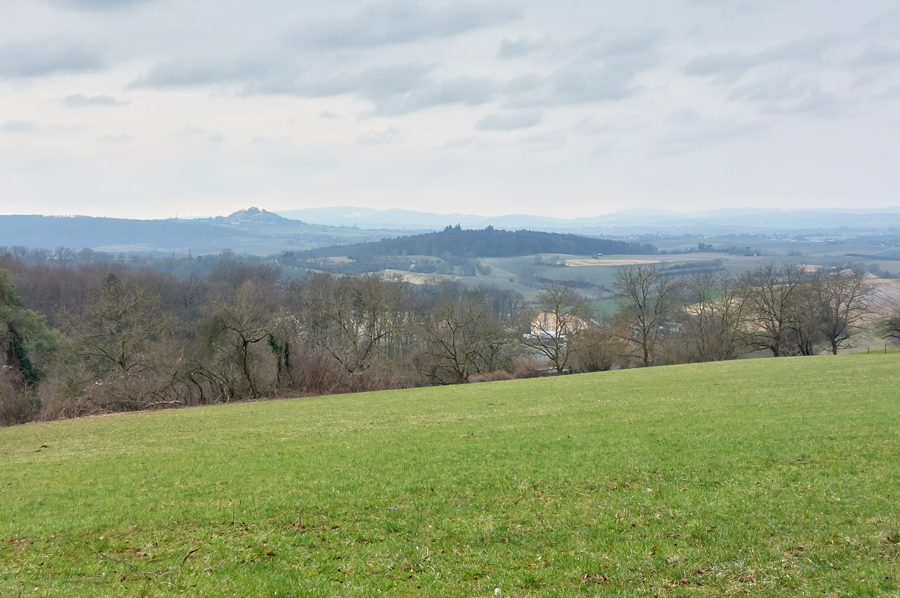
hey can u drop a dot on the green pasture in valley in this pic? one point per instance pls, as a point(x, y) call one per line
point(767, 477)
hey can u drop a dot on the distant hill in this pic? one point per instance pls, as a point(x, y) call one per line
point(251, 231)
point(731, 220)
point(488, 242)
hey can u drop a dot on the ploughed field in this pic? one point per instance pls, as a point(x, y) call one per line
point(767, 477)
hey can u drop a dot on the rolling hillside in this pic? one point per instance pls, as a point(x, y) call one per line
point(756, 478)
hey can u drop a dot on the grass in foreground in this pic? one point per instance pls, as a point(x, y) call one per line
point(763, 478)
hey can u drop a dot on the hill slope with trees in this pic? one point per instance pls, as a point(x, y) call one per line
point(489, 242)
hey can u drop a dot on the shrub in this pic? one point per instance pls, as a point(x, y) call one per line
point(16, 405)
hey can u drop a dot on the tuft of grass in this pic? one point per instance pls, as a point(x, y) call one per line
point(762, 477)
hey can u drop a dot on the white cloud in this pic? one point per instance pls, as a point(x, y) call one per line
point(381, 137)
point(79, 100)
point(690, 131)
point(510, 120)
point(18, 126)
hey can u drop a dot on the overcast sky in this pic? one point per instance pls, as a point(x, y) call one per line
point(158, 108)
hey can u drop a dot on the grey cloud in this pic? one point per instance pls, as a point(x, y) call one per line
point(608, 46)
point(464, 90)
point(385, 24)
point(581, 82)
point(281, 77)
point(600, 67)
point(328, 114)
point(877, 56)
point(520, 47)
point(393, 89)
point(778, 95)
point(732, 66)
point(891, 94)
point(604, 68)
point(587, 127)
point(99, 4)
point(47, 56)
point(523, 84)
point(552, 140)
point(373, 82)
point(18, 126)
point(79, 100)
point(719, 64)
point(459, 143)
point(383, 137)
point(691, 131)
point(783, 79)
point(185, 73)
point(509, 121)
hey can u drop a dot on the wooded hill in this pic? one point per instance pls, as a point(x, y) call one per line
point(489, 242)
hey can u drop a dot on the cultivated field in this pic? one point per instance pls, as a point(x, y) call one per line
point(768, 477)
point(885, 296)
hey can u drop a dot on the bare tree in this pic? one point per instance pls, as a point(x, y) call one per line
point(463, 336)
point(558, 318)
point(116, 330)
point(351, 318)
point(889, 327)
point(598, 348)
point(843, 296)
point(646, 298)
point(804, 333)
point(772, 299)
point(712, 316)
point(122, 356)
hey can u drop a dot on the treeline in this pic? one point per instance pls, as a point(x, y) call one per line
point(780, 310)
point(457, 242)
point(103, 338)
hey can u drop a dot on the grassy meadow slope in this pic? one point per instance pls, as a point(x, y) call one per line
point(766, 477)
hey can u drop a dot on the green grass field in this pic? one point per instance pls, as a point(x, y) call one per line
point(759, 477)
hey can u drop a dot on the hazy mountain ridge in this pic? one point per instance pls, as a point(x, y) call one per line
point(251, 231)
point(260, 232)
point(737, 220)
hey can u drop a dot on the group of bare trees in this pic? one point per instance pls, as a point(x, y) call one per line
point(784, 309)
point(110, 339)
point(101, 338)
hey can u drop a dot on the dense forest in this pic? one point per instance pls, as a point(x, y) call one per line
point(99, 336)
